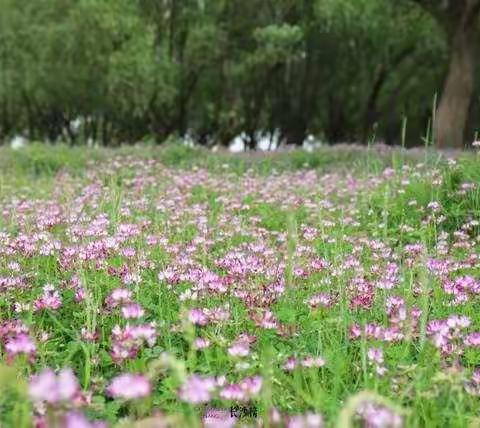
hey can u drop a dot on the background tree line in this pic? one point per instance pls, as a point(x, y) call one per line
point(117, 71)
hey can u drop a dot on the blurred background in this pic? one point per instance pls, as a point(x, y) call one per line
point(244, 74)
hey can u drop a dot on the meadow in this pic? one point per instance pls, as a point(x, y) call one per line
point(172, 287)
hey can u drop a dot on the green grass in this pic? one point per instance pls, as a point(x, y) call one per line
point(421, 385)
point(39, 159)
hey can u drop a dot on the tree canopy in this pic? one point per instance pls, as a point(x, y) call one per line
point(116, 71)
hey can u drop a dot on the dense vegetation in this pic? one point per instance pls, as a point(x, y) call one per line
point(172, 287)
point(115, 71)
point(178, 286)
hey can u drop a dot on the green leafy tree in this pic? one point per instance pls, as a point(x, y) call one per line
point(459, 20)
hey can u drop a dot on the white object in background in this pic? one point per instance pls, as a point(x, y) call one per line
point(310, 144)
point(18, 142)
point(237, 144)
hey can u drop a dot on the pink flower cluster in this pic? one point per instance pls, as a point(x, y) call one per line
point(129, 386)
point(127, 341)
point(14, 335)
point(376, 416)
point(198, 389)
point(308, 362)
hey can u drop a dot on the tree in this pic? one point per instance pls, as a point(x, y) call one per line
point(459, 21)
point(116, 71)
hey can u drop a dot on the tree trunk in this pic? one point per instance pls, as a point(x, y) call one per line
point(294, 133)
point(452, 113)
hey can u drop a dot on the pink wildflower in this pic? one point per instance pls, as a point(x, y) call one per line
point(129, 386)
point(197, 389)
point(21, 344)
point(132, 311)
point(52, 388)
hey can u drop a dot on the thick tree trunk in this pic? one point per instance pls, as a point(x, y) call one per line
point(452, 113)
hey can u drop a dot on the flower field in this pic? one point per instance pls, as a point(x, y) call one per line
point(144, 291)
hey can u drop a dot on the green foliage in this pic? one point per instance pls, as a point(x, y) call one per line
point(426, 394)
point(278, 43)
point(44, 160)
point(118, 71)
point(175, 154)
